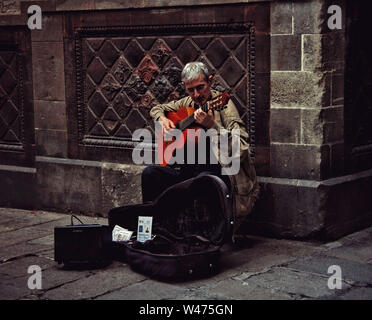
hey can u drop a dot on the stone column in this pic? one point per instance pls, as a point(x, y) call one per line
point(307, 119)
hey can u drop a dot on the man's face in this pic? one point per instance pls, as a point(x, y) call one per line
point(199, 89)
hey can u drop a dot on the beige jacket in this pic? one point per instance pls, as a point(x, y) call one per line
point(244, 184)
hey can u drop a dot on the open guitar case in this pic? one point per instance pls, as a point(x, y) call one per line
point(191, 222)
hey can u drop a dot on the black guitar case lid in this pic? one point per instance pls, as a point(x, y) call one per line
point(191, 221)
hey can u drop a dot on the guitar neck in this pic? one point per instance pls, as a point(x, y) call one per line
point(184, 124)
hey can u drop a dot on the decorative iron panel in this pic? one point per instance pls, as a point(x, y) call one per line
point(122, 72)
point(11, 101)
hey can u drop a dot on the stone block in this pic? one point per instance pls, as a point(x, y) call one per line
point(195, 15)
point(311, 52)
point(10, 7)
point(51, 143)
point(285, 52)
point(337, 159)
point(281, 18)
point(262, 127)
point(45, 6)
point(333, 50)
point(285, 125)
point(50, 115)
point(121, 185)
point(333, 124)
point(48, 71)
point(346, 196)
point(71, 5)
point(51, 29)
point(322, 126)
point(323, 52)
point(160, 15)
point(312, 126)
point(262, 160)
point(299, 161)
point(17, 188)
point(69, 186)
point(309, 16)
point(338, 85)
point(288, 208)
point(300, 89)
point(262, 54)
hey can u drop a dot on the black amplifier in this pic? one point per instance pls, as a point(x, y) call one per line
point(84, 244)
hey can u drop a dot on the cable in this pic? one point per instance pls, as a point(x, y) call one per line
point(72, 221)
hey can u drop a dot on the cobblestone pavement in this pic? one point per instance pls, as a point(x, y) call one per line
point(253, 268)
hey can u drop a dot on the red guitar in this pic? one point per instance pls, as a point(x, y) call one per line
point(183, 120)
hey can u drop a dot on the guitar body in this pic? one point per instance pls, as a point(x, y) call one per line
point(183, 119)
point(168, 146)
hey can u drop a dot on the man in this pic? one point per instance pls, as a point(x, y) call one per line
point(243, 186)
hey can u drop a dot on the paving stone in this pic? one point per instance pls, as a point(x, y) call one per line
point(233, 289)
point(20, 249)
point(252, 268)
point(352, 271)
point(12, 292)
point(252, 255)
point(19, 267)
point(36, 215)
point(356, 247)
point(96, 285)
point(148, 290)
point(293, 282)
point(47, 254)
point(358, 294)
point(16, 288)
point(31, 232)
point(47, 240)
point(361, 252)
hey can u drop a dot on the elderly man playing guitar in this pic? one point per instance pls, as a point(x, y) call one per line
point(198, 107)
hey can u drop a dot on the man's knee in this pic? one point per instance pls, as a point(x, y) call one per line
point(148, 172)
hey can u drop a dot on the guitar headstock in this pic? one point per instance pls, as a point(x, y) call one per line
point(219, 102)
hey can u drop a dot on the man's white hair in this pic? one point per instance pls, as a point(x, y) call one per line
point(192, 70)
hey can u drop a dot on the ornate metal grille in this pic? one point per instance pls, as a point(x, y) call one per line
point(11, 102)
point(122, 72)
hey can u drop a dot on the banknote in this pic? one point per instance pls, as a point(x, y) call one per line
point(121, 234)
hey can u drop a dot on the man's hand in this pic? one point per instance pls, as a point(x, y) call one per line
point(205, 119)
point(166, 124)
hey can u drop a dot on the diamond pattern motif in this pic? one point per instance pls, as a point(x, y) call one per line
point(9, 114)
point(126, 77)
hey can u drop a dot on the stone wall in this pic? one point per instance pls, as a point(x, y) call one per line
point(293, 93)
